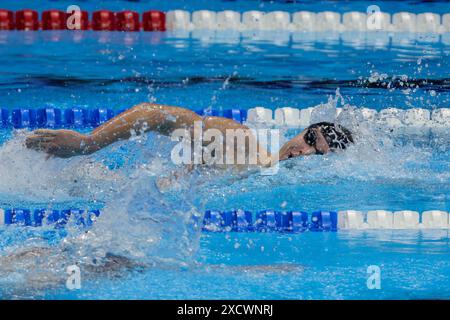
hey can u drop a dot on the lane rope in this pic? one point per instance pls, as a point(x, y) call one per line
point(154, 20)
point(246, 221)
point(285, 117)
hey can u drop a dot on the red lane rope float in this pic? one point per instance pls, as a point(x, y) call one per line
point(6, 20)
point(54, 20)
point(27, 20)
point(60, 20)
point(102, 20)
point(128, 21)
point(84, 23)
point(154, 20)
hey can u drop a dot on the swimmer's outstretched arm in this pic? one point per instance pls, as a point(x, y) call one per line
point(139, 119)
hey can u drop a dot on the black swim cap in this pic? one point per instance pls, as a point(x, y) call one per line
point(337, 136)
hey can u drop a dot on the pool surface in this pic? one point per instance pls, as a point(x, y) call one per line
point(144, 245)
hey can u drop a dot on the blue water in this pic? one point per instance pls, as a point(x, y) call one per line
point(297, 70)
point(306, 266)
point(221, 71)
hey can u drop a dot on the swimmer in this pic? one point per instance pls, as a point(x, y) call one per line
point(319, 138)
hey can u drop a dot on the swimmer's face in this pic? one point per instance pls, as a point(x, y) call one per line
point(310, 141)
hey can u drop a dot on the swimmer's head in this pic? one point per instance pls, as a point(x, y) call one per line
point(318, 138)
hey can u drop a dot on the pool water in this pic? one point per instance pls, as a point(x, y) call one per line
point(167, 257)
point(302, 266)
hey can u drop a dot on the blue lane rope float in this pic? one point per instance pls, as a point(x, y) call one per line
point(55, 118)
point(246, 221)
point(42, 217)
point(213, 221)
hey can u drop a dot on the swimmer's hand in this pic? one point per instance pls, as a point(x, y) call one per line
point(60, 143)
